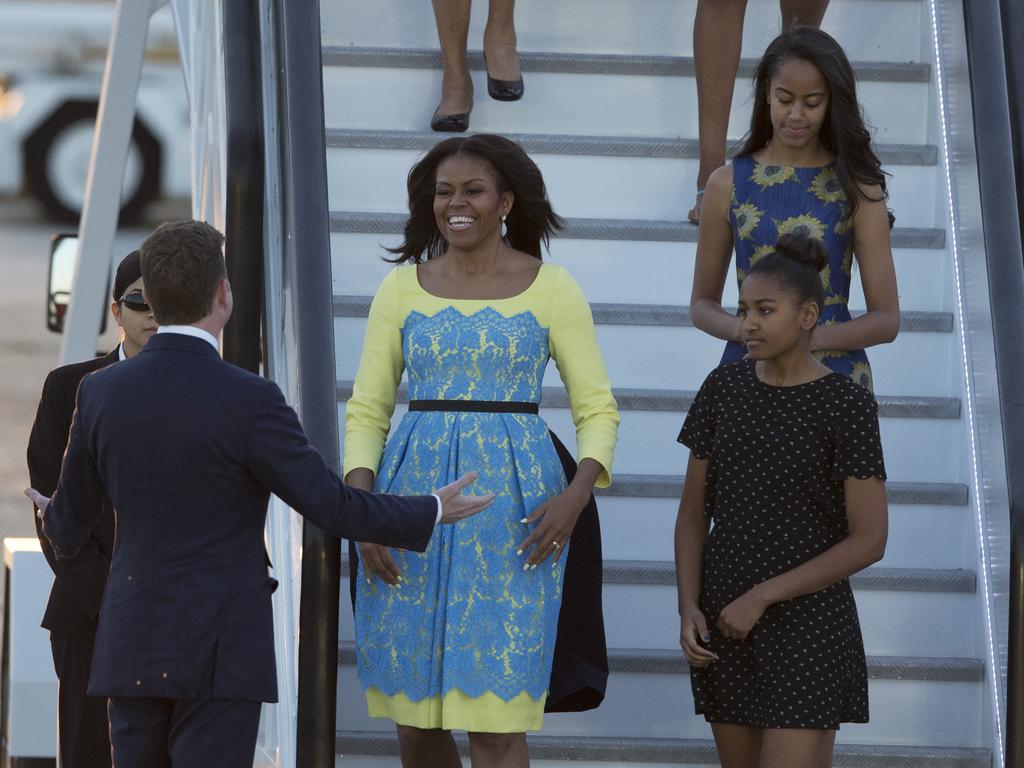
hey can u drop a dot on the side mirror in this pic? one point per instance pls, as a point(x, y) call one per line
point(63, 248)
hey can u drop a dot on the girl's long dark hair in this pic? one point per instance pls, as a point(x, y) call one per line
point(843, 132)
point(530, 223)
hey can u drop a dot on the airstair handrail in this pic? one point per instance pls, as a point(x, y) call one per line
point(306, 254)
point(997, 119)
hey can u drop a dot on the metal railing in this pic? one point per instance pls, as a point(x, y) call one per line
point(996, 64)
point(278, 248)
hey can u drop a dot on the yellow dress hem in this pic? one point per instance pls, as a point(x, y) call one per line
point(456, 711)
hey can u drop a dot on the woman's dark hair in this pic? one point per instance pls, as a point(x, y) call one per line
point(530, 222)
point(128, 271)
point(843, 132)
point(796, 264)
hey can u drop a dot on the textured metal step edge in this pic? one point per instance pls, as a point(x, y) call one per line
point(607, 313)
point(683, 751)
point(593, 146)
point(670, 486)
point(641, 230)
point(678, 401)
point(669, 661)
point(875, 579)
point(595, 63)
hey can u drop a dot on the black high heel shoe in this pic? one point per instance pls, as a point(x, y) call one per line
point(458, 123)
point(503, 90)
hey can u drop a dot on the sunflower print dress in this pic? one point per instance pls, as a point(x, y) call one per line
point(466, 641)
point(771, 200)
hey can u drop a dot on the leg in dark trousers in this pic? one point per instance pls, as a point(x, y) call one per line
point(83, 730)
point(181, 733)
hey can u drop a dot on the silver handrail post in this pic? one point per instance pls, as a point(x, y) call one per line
point(111, 140)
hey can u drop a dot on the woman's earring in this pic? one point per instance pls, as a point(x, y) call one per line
point(504, 226)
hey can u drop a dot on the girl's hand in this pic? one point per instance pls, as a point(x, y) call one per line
point(739, 617)
point(693, 630)
point(558, 517)
point(377, 561)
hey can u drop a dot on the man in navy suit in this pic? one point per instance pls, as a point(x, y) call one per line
point(189, 448)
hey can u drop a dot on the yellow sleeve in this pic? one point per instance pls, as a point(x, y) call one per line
point(573, 345)
point(368, 412)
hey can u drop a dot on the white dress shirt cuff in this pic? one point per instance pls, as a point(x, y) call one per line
point(440, 509)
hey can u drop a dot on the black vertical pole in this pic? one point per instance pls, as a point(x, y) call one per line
point(997, 75)
point(308, 257)
point(243, 235)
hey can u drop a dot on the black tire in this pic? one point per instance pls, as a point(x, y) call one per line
point(40, 143)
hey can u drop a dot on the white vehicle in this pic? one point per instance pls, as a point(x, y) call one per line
point(51, 73)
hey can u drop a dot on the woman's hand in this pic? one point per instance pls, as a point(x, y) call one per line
point(557, 518)
point(739, 617)
point(693, 630)
point(377, 561)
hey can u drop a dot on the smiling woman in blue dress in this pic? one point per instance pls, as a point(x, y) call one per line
point(806, 167)
point(462, 636)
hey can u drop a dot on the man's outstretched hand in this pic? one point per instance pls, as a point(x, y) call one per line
point(41, 501)
point(456, 505)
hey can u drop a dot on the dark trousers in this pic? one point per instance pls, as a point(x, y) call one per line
point(183, 733)
point(83, 730)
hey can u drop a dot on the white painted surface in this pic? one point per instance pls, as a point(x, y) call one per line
point(654, 273)
point(32, 693)
point(869, 30)
point(589, 187)
point(630, 105)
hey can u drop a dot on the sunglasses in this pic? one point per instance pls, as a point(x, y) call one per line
point(135, 301)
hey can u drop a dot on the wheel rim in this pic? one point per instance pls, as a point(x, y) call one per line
point(67, 167)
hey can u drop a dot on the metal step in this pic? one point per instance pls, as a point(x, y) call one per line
point(678, 401)
point(670, 486)
point(595, 63)
point(602, 146)
point(647, 230)
point(876, 579)
point(672, 661)
point(683, 751)
point(667, 315)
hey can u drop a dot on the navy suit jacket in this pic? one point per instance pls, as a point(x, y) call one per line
point(189, 448)
point(78, 584)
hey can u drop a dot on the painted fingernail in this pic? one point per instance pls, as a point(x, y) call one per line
point(706, 637)
point(519, 551)
point(399, 579)
point(525, 520)
point(532, 567)
point(526, 566)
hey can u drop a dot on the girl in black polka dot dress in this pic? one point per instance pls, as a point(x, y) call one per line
point(786, 470)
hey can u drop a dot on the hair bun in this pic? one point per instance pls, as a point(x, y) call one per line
point(804, 249)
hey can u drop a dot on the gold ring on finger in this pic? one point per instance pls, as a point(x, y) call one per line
point(554, 544)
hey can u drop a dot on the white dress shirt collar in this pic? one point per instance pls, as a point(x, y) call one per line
point(191, 330)
point(121, 357)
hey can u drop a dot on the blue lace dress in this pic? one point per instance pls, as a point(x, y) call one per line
point(771, 200)
point(466, 640)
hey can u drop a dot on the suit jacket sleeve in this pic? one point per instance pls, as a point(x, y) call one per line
point(84, 576)
point(282, 460)
point(75, 505)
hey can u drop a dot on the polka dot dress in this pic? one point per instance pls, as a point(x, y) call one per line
point(774, 493)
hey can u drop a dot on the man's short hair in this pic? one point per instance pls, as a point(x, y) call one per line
point(128, 271)
point(182, 265)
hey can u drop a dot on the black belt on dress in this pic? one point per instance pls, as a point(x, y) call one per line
point(474, 406)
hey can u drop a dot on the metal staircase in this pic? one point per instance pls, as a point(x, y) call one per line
point(609, 115)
